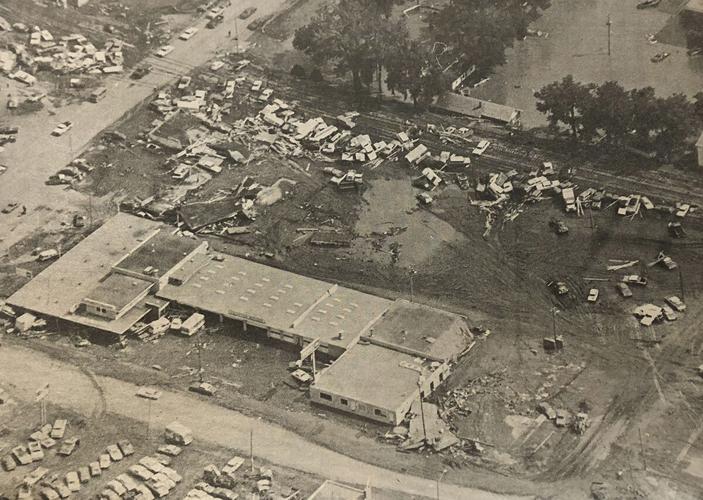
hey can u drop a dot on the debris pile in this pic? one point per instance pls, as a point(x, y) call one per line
point(72, 54)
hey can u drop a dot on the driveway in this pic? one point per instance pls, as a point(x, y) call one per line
point(72, 389)
point(36, 154)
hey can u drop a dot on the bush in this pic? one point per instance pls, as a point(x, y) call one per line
point(298, 71)
point(315, 75)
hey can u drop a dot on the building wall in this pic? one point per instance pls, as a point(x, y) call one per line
point(699, 150)
point(392, 416)
point(346, 404)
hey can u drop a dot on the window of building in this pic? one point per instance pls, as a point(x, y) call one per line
point(441, 376)
point(344, 401)
point(378, 412)
point(325, 396)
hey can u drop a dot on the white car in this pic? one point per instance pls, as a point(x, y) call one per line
point(188, 34)
point(676, 303)
point(257, 86)
point(215, 12)
point(593, 295)
point(164, 51)
point(184, 82)
point(62, 128)
point(481, 148)
point(216, 65)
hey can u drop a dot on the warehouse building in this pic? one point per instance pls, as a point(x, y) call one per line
point(107, 281)
point(388, 353)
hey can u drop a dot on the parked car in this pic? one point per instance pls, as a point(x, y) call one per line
point(481, 147)
point(164, 51)
point(635, 279)
point(62, 128)
point(558, 226)
point(188, 34)
point(593, 294)
point(184, 82)
point(558, 287)
point(301, 376)
point(669, 313)
point(79, 220)
point(212, 23)
point(203, 388)
point(246, 13)
point(676, 303)
point(149, 393)
point(9, 130)
point(69, 446)
point(624, 290)
point(141, 71)
point(659, 57)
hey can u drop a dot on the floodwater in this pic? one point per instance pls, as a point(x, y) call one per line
point(578, 44)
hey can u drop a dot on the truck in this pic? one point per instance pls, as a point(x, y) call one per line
point(569, 199)
point(192, 325)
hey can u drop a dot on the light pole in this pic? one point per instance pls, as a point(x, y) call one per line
point(412, 272)
point(439, 478)
point(199, 346)
point(609, 24)
point(420, 381)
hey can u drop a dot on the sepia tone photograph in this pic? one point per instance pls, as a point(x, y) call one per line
point(351, 249)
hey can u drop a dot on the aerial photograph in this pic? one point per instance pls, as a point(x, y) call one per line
point(351, 249)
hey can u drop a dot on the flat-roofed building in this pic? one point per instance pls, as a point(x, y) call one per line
point(116, 295)
point(100, 283)
point(421, 330)
point(376, 382)
point(283, 305)
point(332, 490)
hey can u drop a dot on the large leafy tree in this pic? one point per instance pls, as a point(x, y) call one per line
point(675, 123)
point(415, 74)
point(353, 35)
point(566, 102)
point(610, 110)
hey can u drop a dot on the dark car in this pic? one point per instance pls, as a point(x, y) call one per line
point(212, 23)
point(246, 13)
point(558, 287)
point(140, 72)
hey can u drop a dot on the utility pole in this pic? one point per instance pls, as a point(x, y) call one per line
point(439, 478)
point(683, 295)
point(644, 459)
point(609, 24)
point(148, 420)
point(236, 36)
point(251, 449)
point(554, 325)
point(199, 346)
point(422, 409)
point(412, 272)
point(590, 214)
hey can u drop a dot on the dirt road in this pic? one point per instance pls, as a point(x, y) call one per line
point(69, 387)
point(37, 154)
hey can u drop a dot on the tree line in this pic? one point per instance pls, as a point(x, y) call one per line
point(634, 117)
point(362, 38)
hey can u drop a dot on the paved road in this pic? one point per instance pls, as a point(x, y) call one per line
point(70, 388)
point(37, 154)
